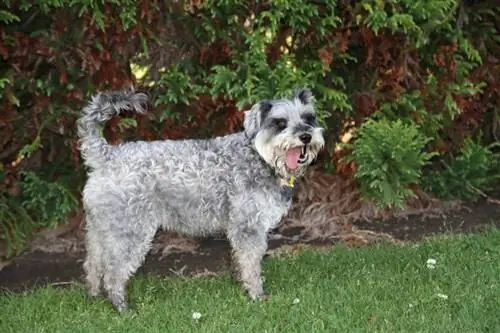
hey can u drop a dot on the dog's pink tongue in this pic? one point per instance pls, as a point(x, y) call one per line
point(292, 157)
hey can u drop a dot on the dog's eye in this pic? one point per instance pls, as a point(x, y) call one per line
point(310, 119)
point(280, 124)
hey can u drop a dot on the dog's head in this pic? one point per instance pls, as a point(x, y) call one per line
point(285, 132)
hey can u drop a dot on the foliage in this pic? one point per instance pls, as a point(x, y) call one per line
point(473, 172)
point(42, 204)
point(389, 158)
point(16, 224)
point(203, 62)
point(51, 201)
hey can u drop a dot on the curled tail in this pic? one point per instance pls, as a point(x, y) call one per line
point(103, 106)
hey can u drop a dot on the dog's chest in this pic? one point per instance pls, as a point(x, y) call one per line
point(276, 220)
point(273, 206)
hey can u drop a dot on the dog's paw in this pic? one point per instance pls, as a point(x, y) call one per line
point(260, 296)
point(122, 308)
point(119, 304)
point(263, 297)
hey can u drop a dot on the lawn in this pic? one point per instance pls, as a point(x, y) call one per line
point(382, 288)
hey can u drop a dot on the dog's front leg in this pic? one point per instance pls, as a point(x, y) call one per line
point(249, 244)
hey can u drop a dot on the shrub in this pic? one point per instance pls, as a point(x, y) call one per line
point(37, 204)
point(389, 157)
point(16, 224)
point(50, 202)
point(474, 172)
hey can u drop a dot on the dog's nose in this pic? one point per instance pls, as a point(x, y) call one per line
point(305, 138)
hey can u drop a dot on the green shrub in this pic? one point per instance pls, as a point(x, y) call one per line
point(474, 172)
point(389, 158)
point(50, 202)
point(40, 204)
point(15, 224)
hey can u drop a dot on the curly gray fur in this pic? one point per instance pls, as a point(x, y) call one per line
point(230, 184)
point(104, 106)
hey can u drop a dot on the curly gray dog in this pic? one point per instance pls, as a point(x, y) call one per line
point(239, 184)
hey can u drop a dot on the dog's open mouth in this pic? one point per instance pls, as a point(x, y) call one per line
point(295, 156)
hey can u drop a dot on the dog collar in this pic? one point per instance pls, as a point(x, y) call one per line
point(287, 187)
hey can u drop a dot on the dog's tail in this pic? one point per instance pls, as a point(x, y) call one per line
point(103, 106)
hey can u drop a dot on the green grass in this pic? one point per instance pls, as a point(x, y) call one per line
point(384, 288)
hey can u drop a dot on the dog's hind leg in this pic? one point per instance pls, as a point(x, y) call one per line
point(249, 246)
point(115, 282)
point(93, 263)
point(123, 255)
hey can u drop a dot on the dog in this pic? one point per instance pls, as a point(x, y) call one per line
point(240, 184)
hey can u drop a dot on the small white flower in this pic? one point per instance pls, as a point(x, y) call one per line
point(296, 301)
point(196, 315)
point(410, 305)
point(443, 296)
point(431, 263)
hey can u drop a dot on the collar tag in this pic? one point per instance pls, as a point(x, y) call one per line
point(288, 183)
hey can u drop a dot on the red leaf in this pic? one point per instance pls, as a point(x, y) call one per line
point(63, 77)
point(326, 56)
point(4, 52)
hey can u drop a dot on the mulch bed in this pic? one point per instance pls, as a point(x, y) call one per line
point(211, 256)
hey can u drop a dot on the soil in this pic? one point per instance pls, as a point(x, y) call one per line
point(38, 268)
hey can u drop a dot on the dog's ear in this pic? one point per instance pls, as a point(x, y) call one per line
point(255, 117)
point(304, 95)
